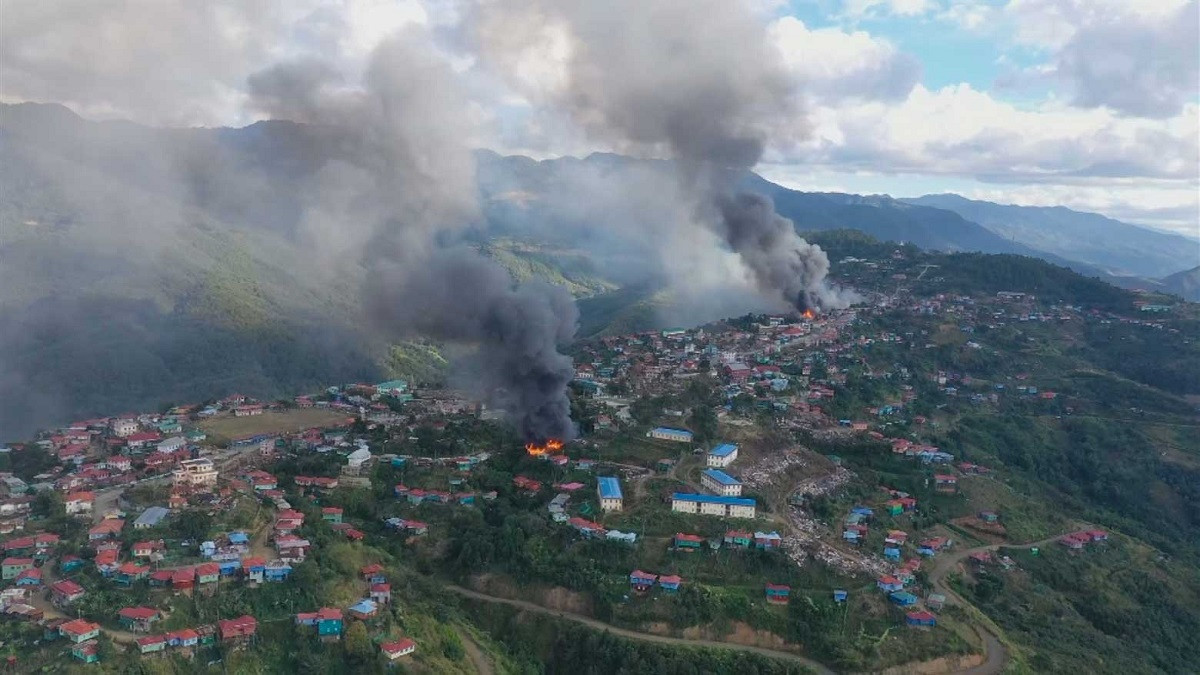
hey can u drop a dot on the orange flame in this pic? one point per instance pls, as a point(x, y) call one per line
point(809, 314)
point(551, 446)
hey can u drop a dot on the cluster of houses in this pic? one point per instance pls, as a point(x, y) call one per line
point(1076, 541)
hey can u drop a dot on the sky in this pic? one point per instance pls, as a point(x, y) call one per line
point(1090, 104)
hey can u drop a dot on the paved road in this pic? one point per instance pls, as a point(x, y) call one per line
point(645, 637)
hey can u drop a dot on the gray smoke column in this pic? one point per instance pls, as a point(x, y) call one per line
point(696, 80)
point(402, 189)
point(459, 296)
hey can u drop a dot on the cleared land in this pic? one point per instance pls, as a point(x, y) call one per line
point(223, 429)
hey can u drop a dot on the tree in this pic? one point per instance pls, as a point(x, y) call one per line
point(358, 643)
point(703, 422)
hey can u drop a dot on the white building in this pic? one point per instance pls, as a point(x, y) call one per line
point(123, 428)
point(670, 434)
point(720, 483)
point(196, 473)
point(357, 461)
point(609, 489)
point(722, 455)
point(172, 444)
point(78, 503)
point(709, 505)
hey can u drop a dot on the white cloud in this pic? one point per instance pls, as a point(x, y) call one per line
point(875, 8)
point(834, 64)
point(176, 62)
point(960, 130)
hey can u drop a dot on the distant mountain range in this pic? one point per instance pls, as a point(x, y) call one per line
point(142, 266)
point(1114, 247)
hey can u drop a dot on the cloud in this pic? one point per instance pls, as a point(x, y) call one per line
point(960, 130)
point(175, 62)
point(876, 8)
point(833, 64)
point(1137, 57)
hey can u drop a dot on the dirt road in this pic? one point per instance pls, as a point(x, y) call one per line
point(645, 637)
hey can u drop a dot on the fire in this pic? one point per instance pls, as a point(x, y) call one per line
point(551, 446)
point(809, 314)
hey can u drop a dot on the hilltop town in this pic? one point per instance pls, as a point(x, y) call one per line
point(808, 491)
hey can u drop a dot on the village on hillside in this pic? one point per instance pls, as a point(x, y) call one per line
point(141, 533)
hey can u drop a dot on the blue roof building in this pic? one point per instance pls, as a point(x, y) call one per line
point(610, 493)
point(713, 505)
point(722, 455)
point(721, 483)
point(671, 434)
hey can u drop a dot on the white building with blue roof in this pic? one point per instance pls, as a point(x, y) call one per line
point(609, 488)
point(718, 482)
point(722, 455)
point(712, 505)
point(670, 434)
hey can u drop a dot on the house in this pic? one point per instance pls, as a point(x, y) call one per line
point(767, 540)
point(65, 592)
point(364, 609)
point(131, 572)
point(989, 516)
point(945, 483)
point(935, 601)
point(777, 594)
point(138, 619)
point(69, 563)
point(840, 595)
point(623, 537)
point(328, 621)
point(712, 505)
point(197, 473)
point(87, 651)
point(738, 539)
point(687, 542)
point(106, 562)
point(79, 630)
point(237, 630)
point(254, 568)
point(720, 483)
point(722, 456)
point(152, 644)
point(208, 573)
point(896, 537)
point(183, 579)
point(30, 577)
point(152, 550)
point(15, 566)
point(397, 648)
point(670, 434)
point(381, 593)
point(79, 503)
point(185, 638)
point(903, 598)
point(124, 428)
point(173, 444)
point(151, 517)
point(891, 553)
point(609, 489)
point(331, 514)
point(670, 582)
point(642, 581)
point(276, 571)
point(920, 618)
point(889, 584)
point(373, 574)
point(932, 545)
point(106, 529)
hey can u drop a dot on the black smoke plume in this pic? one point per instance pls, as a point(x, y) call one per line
point(696, 80)
point(404, 189)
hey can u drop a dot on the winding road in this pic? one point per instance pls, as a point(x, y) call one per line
point(996, 655)
point(634, 635)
